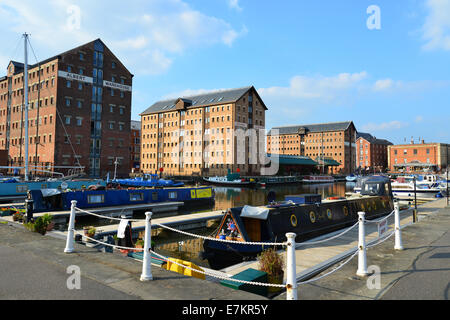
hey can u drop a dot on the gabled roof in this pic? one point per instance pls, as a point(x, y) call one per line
point(372, 139)
point(205, 99)
point(319, 127)
point(31, 66)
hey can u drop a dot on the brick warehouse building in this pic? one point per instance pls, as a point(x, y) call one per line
point(135, 146)
point(202, 134)
point(328, 140)
point(372, 153)
point(85, 92)
point(418, 157)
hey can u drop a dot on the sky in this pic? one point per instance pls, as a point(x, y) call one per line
point(383, 64)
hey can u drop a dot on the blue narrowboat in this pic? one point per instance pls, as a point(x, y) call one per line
point(56, 200)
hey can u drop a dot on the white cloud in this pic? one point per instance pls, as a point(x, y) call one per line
point(153, 33)
point(316, 87)
point(383, 84)
point(189, 93)
point(234, 4)
point(392, 125)
point(436, 30)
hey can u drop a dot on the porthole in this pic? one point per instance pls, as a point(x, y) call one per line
point(294, 220)
point(329, 214)
point(312, 216)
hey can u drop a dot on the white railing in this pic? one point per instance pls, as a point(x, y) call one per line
point(290, 244)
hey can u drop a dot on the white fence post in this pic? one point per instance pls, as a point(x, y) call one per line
point(362, 259)
point(398, 233)
point(71, 228)
point(291, 278)
point(147, 261)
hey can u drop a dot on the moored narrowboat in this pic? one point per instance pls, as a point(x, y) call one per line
point(306, 215)
point(47, 200)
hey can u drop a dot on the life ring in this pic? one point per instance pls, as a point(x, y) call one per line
point(312, 216)
point(329, 214)
point(294, 220)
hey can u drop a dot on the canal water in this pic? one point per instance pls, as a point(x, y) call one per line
point(183, 247)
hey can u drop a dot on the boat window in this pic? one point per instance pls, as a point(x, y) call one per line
point(96, 198)
point(23, 188)
point(371, 188)
point(136, 196)
point(173, 195)
point(229, 229)
point(155, 196)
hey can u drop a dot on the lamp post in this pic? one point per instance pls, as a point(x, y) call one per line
point(116, 162)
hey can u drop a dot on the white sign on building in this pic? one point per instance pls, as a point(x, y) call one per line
point(74, 76)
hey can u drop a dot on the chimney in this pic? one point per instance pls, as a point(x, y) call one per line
point(412, 140)
point(423, 141)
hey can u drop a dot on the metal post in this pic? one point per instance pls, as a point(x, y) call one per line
point(25, 77)
point(447, 174)
point(291, 278)
point(415, 202)
point(398, 233)
point(71, 229)
point(147, 263)
point(362, 258)
point(29, 209)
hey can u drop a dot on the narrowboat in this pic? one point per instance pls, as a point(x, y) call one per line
point(306, 215)
point(17, 188)
point(149, 181)
point(48, 200)
point(318, 179)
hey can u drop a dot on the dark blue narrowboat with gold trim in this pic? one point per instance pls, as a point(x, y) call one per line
point(306, 215)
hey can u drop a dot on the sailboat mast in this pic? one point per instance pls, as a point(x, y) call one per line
point(25, 75)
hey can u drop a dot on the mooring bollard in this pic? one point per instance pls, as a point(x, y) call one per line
point(29, 209)
point(362, 259)
point(398, 233)
point(71, 229)
point(291, 278)
point(147, 261)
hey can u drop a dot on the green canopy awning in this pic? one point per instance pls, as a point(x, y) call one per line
point(327, 161)
point(292, 160)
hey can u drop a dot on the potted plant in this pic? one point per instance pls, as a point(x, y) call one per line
point(48, 221)
point(91, 232)
point(272, 263)
point(139, 243)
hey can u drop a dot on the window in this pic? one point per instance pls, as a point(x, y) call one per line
point(69, 84)
point(96, 198)
point(136, 196)
point(79, 121)
point(173, 195)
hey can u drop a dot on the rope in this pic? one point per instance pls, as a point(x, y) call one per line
point(382, 239)
point(332, 271)
point(325, 240)
point(223, 240)
point(380, 220)
point(220, 277)
point(108, 244)
point(106, 217)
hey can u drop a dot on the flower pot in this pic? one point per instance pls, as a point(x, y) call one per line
point(50, 226)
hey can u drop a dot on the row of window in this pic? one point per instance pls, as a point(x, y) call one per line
point(415, 151)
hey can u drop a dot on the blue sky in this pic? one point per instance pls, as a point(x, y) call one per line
point(311, 61)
